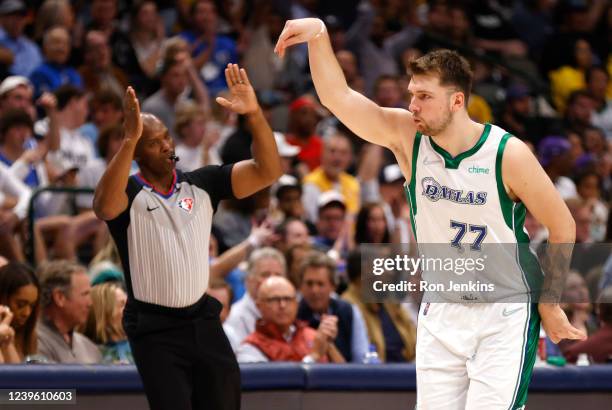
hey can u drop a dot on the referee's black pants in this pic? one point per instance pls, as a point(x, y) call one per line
point(185, 362)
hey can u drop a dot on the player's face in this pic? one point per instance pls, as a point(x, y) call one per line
point(430, 104)
point(316, 288)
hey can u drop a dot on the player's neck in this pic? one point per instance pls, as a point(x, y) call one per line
point(460, 135)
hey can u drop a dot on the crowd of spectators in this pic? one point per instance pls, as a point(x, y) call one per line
point(285, 262)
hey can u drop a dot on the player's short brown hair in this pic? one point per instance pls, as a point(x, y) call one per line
point(451, 68)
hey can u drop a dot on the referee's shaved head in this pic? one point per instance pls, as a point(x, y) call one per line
point(151, 124)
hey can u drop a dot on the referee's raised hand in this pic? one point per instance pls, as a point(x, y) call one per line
point(243, 99)
point(132, 122)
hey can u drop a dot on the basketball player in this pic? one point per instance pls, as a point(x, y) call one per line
point(160, 220)
point(469, 356)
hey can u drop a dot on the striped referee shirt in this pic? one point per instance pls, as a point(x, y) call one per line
point(163, 237)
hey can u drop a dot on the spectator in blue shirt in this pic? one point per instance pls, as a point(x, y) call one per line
point(54, 72)
point(211, 52)
point(26, 54)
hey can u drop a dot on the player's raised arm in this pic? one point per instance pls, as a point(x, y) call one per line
point(527, 181)
point(251, 175)
point(110, 198)
point(366, 119)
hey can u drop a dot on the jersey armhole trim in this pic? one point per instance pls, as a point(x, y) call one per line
point(506, 203)
point(411, 191)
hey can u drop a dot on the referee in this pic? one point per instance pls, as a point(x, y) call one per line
point(160, 220)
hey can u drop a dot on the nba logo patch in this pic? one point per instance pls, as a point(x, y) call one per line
point(186, 204)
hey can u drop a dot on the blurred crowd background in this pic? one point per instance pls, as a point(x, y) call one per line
point(285, 262)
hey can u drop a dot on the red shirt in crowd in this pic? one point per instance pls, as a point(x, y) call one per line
point(311, 150)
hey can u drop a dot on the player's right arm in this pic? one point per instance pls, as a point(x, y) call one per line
point(382, 126)
point(110, 199)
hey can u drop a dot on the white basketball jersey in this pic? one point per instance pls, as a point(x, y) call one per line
point(461, 201)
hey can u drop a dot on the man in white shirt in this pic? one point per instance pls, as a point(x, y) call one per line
point(263, 263)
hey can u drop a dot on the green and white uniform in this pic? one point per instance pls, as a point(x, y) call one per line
point(472, 355)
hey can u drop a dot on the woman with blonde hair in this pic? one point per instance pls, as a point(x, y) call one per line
point(104, 325)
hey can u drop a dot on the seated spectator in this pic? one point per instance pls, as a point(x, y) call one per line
point(317, 278)
point(65, 302)
point(332, 175)
point(20, 292)
point(222, 291)
point(108, 145)
point(582, 213)
point(598, 346)
point(27, 165)
point(331, 222)
point(26, 54)
point(570, 77)
point(56, 13)
point(279, 336)
point(303, 120)
point(146, 37)
point(294, 256)
point(98, 71)
point(292, 232)
point(389, 326)
point(598, 83)
point(556, 158)
point(580, 108)
point(195, 145)
point(106, 108)
point(288, 193)
point(104, 323)
point(75, 150)
point(588, 185)
point(263, 263)
point(54, 71)
point(286, 151)
point(176, 74)
point(212, 52)
point(16, 93)
point(576, 303)
point(371, 225)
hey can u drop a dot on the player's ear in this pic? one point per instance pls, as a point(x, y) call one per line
point(457, 101)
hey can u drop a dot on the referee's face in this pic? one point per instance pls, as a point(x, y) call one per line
point(155, 148)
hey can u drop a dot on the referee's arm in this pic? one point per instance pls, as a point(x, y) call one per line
point(110, 198)
point(255, 174)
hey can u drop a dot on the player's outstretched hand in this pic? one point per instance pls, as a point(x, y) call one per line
point(242, 95)
point(556, 325)
point(297, 31)
point(132, 123)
